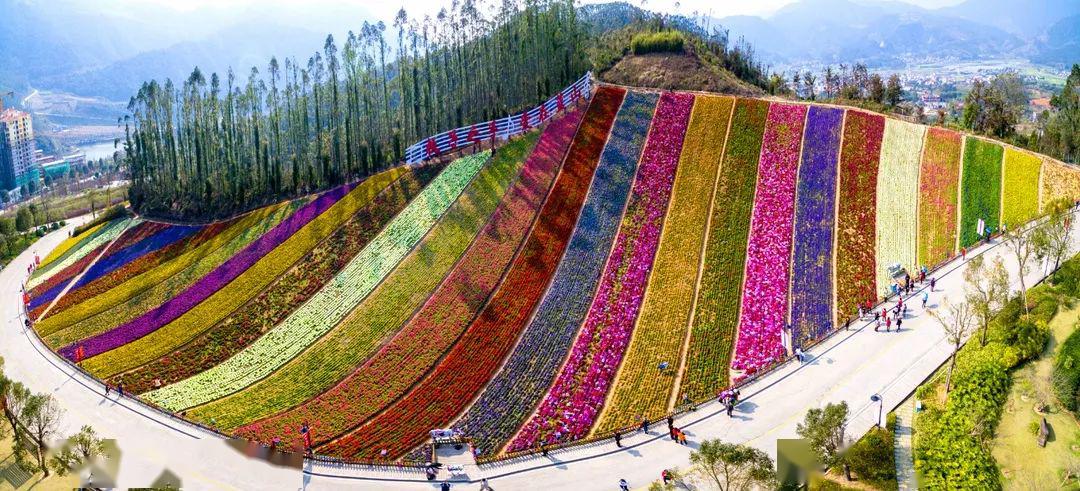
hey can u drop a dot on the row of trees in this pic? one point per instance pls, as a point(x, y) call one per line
point(36, 418)
point(996, 107)
point(852, 83)
point(212, 146)
point(1057, 131)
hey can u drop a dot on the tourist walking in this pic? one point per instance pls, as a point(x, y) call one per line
point(623, 485)
point(484, 486)
point(670, 422)
point(120, 389)
point(644, 425)
point(933, 283)
point(673, 432)
point(666, 476)
point(925, 297)
point(899, 321)
point(888, 323)
point(730, 407)
point(107, 390)
point(445, 486)
point(682, 437)
point(618, 439)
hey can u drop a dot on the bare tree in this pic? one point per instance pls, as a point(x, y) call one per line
point(41, 415)
point(1022, 246)
point(957, 319)
point(1057, 232)
point(987, 290)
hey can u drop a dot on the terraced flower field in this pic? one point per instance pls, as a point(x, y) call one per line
point(639, 249)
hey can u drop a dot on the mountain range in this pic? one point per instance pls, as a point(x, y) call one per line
point(892, 33)
point(107, 48)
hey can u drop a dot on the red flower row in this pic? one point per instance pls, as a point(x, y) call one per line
point(435, 401)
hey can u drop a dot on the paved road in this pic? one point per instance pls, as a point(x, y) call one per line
point(851, 366)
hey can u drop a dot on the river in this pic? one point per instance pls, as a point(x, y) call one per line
point(98, 150)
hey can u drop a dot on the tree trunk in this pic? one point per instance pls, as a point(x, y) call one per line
point(41, 459)
point(1023, 293)
point(948, 376)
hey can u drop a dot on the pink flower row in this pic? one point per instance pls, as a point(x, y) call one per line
point(573, 404)
point(768, 256)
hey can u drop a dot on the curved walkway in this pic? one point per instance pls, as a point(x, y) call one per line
point(850, 366)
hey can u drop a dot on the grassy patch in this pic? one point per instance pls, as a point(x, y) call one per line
point(1022, 462)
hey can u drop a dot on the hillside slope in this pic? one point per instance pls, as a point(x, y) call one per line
point(527, 297)
point(676, 71)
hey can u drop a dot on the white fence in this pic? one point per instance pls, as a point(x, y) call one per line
point(502, 128)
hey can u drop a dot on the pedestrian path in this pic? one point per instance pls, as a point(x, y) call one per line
point(902, 449)
point(850, 366)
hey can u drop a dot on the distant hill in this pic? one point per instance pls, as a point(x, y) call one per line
point(886, 34)
point(1025, 18)
point(1062, 42)
point(241, 47)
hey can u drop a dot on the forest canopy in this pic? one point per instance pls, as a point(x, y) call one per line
point(213, 146)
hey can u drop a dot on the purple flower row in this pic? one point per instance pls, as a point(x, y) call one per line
point(811, 287)
point(768, 255)
point(515, 391)
point(573, 404)
point(114, 261)
point(207, 285)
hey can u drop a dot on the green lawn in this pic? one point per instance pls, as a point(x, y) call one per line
point(1023, 463)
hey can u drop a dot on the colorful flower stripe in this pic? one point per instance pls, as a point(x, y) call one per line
point(573, 404)
point(285, 294)
point(1059, 181)
point(68, 244)
point(516, 389)
point(330, 305)
point(59, 281)
point(938, 184)
point(382, 313)
point(106, 234)
point(768, 254)
point(897, 199)
point(118, 256)
point(436, 400)
point(815, 210)
point(196, 293)
point(150, 295)
point(980, 196)
point(860, 150)
point(63, 277)
point(665, 312)
point(221, 292)
point(134, 268)
point(1020, 196)
point(716, 315)
point(417, 347)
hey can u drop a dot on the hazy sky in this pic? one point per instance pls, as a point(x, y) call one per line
point(385, 9)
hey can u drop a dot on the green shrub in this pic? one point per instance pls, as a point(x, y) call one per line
point(1066, 378)
point(871, 458)
point(657, 42)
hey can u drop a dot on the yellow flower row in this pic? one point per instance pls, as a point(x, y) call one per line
point(641, 388)
point(1020, 194)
